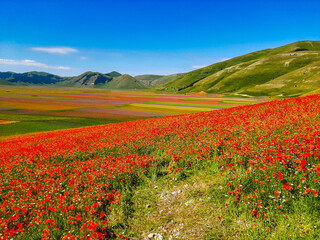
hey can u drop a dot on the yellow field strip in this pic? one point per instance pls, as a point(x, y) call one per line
point(171, 107)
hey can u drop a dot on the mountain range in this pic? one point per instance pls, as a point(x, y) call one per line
point(112, 80)
point(286, 71)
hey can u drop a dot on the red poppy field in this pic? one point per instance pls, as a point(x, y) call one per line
point(79, 183)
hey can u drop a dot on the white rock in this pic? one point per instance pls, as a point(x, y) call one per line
point(158, 237)
point(151, 235)
point(189, 202)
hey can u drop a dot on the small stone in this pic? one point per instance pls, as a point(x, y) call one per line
point(155, 187)
point(188, 202)
point(151, 235)
point(148, 206)
point(158, 236)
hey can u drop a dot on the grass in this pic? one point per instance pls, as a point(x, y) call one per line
point(183, 209)
point(194, 205)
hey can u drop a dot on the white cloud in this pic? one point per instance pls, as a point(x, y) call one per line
point(198, 66)
point(31, 63)
point(58, 50)
point(83, 58)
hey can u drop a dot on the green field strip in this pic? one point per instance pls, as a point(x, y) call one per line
point(185, 104)
point(39, 123)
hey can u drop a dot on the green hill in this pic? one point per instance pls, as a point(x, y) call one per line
point(289, 70)
point(113, 74)
point(124, 81)
point(147, 79)
point(29, 78)
point(5, 82)
point(156, 80)
point(87, 79)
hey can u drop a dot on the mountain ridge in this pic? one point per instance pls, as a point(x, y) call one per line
point(273, 72)
point(87, 79)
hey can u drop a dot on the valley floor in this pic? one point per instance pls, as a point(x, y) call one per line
point(36, 109)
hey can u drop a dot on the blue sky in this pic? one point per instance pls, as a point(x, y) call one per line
point(145, 36)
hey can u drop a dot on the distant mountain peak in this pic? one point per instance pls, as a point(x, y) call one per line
point(125, 81)
point(114, 74)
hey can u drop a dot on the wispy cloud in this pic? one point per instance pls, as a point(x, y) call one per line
point(224, 59)
point(83, 58)
point(216, 61)
point(31, 63)
point(198, 66)
point(58, 50)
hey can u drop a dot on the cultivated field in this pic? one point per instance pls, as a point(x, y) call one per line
point(35, 109)
point(249, 172)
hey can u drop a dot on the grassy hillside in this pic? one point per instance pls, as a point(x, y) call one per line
point(147, 77)
point(124, 81)
point(156, 80)
point(164, 79)
point(317, 91)
point(5, 82)
point(296, 82)
point(289, 70)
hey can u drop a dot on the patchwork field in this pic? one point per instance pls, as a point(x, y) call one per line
point(35, 109)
